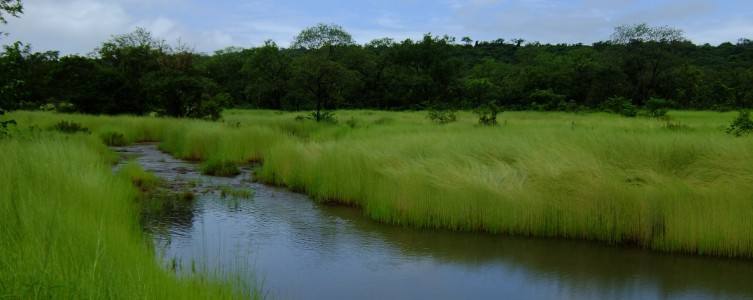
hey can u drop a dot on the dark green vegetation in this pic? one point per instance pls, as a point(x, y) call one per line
point(638, 67)
point(220, 167)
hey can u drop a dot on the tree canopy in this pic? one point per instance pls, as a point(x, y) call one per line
point(324, 69)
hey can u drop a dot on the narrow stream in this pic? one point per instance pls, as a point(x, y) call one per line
point(303, 250)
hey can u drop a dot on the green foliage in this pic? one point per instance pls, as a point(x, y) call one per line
point(442, 116)
point(4, 130)
point(113, 139)
point(70, 127)
point(322, 35)
point(323, 117)
point(658, 107)
point(11, 7)
point(220, 167)
point(138, 73)
point(487, 116)
point(546, 99)
point(620, 105)
point(741, 125)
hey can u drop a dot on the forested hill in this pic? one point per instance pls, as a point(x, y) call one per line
point(137, 73)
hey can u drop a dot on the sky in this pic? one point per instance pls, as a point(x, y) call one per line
point(80, 26)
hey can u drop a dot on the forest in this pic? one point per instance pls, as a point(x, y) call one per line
point(638, 67)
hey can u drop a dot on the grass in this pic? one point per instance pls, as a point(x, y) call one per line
point(71, 229)
point(220, 167)
point(685, 187)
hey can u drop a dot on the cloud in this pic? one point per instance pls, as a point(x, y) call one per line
point(54, 25)
point(79, 26)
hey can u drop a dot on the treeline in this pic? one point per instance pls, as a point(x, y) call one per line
point(325, 69)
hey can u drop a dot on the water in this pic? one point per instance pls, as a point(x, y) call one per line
point(304, 250)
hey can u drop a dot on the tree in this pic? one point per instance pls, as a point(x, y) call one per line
point(317, 72)
point(225, 68)
point(132, 56)
point(321, 78)
point(650, 54)
point(268, 73)
point(322, 35)
point(11, 7)
point(467, 41)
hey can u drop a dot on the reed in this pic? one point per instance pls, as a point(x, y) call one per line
point(586, 176)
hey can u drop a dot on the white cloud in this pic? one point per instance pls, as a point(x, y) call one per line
point(79, 26)
point(66, 26)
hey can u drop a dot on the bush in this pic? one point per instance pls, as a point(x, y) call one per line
point(488, 116)
point(741, 125)
point(70, 127)
point(113, 139)
point(4, 125)
point(658, 107)
point(218, 167)
point(442, 116)
point(323, 116)
point(620, 105)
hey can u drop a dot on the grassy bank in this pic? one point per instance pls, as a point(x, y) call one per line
point(679, 186)
point(71, 229)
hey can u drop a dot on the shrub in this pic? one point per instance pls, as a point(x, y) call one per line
point(4, 125)
point(323, 116)
point(741, 125)
point(488, 116)
point(658, 107)
point(113, 139)
point(620, 105)
point(70, 127)
point(220, 167)
point(442, 116)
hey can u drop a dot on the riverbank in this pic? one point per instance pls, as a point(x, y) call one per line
point(677, 186)
point(71, 228)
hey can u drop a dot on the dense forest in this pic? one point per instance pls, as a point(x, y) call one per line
point(324, 69)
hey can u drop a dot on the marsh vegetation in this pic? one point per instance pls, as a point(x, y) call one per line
point(585, 176)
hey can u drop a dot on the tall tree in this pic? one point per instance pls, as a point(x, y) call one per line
point(649, 55)
point(322, 35)
point(132, 55)
point(317, 71)
point(268, 73)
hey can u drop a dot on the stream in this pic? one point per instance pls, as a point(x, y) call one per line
point(298, 249)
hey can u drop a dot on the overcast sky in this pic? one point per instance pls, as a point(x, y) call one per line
point(80, 26)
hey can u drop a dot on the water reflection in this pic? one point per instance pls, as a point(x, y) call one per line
point(307, 251)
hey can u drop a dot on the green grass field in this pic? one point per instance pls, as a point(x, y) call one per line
point(679, 186)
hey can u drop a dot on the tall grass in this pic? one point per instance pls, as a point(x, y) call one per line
point(685, 188)
point(70, 229)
